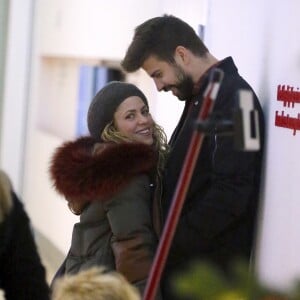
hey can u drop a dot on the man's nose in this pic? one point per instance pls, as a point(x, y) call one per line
point(159, 85)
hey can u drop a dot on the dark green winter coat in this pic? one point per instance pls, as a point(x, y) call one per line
point(110, 189)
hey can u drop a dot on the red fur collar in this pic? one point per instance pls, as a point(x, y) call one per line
point(79, 174)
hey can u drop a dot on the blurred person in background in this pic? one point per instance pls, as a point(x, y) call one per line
point(22, 275)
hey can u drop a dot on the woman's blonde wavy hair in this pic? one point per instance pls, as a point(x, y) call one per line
point(111, 134)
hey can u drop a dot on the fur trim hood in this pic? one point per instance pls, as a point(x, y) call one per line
point(81, 171)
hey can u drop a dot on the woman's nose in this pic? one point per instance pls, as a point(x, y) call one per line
point(143, 119)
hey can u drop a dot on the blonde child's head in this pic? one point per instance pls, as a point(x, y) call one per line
point(94, 284)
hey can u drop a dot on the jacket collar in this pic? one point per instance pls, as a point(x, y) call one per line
point(78, 173)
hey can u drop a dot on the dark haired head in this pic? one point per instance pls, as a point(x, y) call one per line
point(159, 37)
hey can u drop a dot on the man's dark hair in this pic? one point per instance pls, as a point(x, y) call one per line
point(159, 37)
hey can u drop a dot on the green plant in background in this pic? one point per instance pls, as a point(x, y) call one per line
point(205, 282)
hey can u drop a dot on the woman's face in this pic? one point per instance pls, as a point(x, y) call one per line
point(132, 119)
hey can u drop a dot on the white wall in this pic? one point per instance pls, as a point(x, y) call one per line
point(279, 248)
point(14, 109)
point(262, 38)
point(232, 31)
point(93, 28)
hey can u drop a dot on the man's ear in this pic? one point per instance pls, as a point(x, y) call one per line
point(181, 55)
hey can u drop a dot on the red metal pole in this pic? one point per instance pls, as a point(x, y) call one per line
point(210, 95)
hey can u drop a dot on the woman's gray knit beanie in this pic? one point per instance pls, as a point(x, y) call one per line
point(106, 102)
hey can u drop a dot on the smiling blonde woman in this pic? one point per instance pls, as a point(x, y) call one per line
point(109, 180)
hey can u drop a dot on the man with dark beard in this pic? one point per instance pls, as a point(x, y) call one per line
point(217, 223)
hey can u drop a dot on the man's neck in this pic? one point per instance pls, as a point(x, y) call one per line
point(204, 65)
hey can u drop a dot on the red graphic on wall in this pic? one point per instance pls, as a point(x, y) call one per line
point(289, 97)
